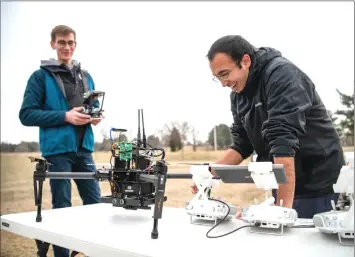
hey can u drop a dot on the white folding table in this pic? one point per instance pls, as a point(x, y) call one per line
point(101, 230)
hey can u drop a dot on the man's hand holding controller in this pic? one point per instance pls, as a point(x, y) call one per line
point(76, 117)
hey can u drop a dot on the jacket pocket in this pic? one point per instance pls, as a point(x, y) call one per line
point(88, 142)
point(59, 140)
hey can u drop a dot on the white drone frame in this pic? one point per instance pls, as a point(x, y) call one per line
point(203, 180)
point(345, 184)
point(264, 178)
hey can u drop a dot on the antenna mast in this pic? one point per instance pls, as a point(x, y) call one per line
point(144, 136)
point(139, 130)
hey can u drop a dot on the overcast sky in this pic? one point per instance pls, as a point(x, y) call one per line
point(135, 51)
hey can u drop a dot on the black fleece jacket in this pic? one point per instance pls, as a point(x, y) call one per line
point(74, 90)
point(279, 113)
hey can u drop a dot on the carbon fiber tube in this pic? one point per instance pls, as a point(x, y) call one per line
point(70, 175)
point(179, 175)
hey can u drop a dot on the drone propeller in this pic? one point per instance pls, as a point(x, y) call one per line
point(162, 162)
point(118, 130)
point(100, 163)
point(191, 163)
point(34, 159)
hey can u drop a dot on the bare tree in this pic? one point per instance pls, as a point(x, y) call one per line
point(182, 127)
point(165, 133)
point(194, 134)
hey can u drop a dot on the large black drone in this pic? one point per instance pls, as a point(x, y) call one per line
point(136, 180)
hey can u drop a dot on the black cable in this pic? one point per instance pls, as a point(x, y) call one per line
point(222, 221)
point(111, 161)
point(256, 224)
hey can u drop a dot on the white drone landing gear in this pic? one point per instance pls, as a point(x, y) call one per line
point(266, 216)
point(348, 224)
point(201, 208)
point(340, 222)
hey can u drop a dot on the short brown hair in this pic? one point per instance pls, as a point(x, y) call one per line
point(61, 30)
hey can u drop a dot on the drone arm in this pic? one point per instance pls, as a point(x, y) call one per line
point(41, 174)
point(66, 175)
point(149, 178)
point(178, 176)
point(71, 175)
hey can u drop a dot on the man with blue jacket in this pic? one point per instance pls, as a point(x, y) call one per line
point(52, 101)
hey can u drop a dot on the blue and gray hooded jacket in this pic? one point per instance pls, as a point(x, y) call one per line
point(45, 104)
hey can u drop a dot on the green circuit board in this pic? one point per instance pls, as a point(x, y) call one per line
point(125, 151)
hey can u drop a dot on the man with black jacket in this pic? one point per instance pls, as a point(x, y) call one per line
point(278, 113)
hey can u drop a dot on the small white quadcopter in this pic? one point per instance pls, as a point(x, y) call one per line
point(202, 207)
point(340, 222)
point(265, 216)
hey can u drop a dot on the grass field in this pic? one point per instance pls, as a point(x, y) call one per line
point(17, 191)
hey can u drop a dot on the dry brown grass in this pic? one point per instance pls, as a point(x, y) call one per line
point(17, 191)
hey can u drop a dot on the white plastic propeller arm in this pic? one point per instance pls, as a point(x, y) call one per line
point(345, 182)
point(349, 158)
point(203, 179)
point(262, 174)
point(202, 176)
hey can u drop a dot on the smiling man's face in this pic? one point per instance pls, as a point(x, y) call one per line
point(65, 46)
point(225, 70)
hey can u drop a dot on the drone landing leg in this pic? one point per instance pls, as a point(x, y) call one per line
point(258, 230)
point(345, 238)
point(159, 202)
point(155, 233)
point(38, 198)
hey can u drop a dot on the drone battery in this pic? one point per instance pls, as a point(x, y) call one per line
point(143, 163)
point(147, 188)
point(120, 164)
point(142, 188)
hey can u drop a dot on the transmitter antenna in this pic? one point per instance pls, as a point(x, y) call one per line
point(144, 136)
point(139, 130)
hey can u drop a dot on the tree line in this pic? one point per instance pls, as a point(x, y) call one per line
point(176, 135)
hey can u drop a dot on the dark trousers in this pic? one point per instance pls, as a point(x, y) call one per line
point(89, 189)
point(307, 207)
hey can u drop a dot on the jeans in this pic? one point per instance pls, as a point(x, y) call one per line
point(89, 189)
point(306, 208)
